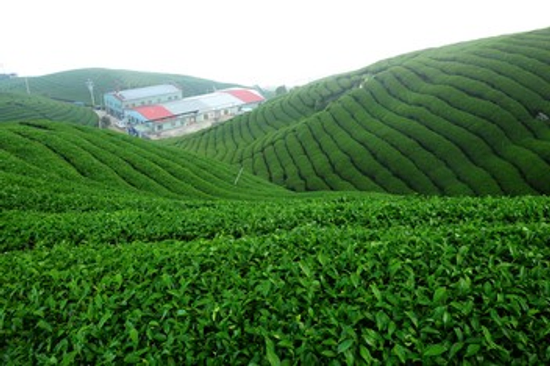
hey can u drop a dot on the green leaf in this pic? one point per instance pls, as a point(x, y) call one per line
point(488, 337)
point(345, 345)
point(455, 348)
point(132, 358)
point(134, 336)
point(365, 354)
point(382, 320)
point(305, 269)
point(395, 266)
point(401, 352)
point(434, 350)
point(328, 353)
point(271, 355)
point(440, 294)
point(472, 350)
point(376, 292)
point(371, 337)
point(44, 325)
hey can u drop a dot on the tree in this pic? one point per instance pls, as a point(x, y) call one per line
point(281, 90)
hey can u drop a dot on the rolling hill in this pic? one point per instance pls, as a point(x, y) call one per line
point(22, 107)
point(70, 158)
point(466, 119)
point(115, 250)
point(71, 85)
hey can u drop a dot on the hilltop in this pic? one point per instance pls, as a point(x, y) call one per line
point(71, 85)
point(466, 119)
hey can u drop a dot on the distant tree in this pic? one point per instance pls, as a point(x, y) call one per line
point(281, 90)
point(105, 122)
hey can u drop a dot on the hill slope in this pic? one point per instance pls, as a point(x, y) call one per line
point(71, 85)
point(47, 157)
point(22, 107)
point(471, 118)
point(115, 250)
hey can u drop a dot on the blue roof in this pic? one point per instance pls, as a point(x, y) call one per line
point(147, 92)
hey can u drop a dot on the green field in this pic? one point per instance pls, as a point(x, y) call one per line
point(116, 250)
point(71, 85)
point(466, 119)
point(21, 107)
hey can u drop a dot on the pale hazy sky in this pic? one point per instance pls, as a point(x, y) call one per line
point(269, 42)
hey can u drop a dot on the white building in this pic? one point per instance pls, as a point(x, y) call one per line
point(116, 103)
point(204, 110)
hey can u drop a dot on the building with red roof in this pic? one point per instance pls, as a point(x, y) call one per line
point(117, 102)
point(247, 96)
point(154, 112)
point(201, 110)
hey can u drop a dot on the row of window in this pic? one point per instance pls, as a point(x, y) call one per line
point(149, 102)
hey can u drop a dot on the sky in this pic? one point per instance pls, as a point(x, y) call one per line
point(261, 42)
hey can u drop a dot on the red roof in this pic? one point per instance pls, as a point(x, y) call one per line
point(152, 112)
point(246, 96)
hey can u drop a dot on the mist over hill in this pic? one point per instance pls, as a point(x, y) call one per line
point(71, 85)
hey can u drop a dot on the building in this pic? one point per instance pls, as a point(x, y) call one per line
point(116, 103)
point(202, 111)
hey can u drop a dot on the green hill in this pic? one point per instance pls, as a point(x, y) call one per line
point(466, 119)
point(71, 158)
point(71, 85)
point(115, 250)
point(21, 107)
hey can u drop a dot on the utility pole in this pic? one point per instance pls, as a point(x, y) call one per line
point(239, 175)
point(27, 85)
point(90, 85)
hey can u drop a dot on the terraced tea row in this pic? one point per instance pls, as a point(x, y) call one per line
point(472, 118)
point(333, 279)
point(21, 107)
point(111, 162)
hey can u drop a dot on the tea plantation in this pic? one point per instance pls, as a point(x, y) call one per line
point(466, 119)
point(20, 107)
point(116, 250)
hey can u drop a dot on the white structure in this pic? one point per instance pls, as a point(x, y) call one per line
point(202, 110)
point(116, 103)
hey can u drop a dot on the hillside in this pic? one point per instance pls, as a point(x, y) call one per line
point(79, 161)
point(115, 250)
point(466, 119)
point(22, 107)
point(71, 85)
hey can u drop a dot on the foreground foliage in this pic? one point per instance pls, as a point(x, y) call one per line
point(330, 279)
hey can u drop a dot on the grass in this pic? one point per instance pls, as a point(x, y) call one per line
point(458, 120)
